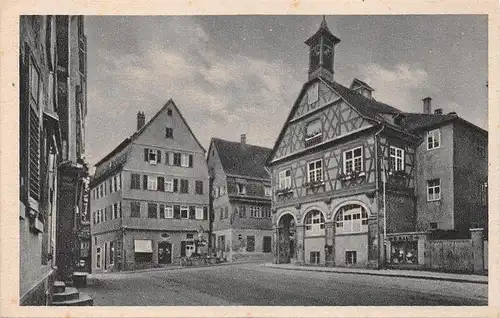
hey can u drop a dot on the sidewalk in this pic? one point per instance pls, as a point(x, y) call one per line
point(463, 278)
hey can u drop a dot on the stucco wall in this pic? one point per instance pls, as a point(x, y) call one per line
point(434, 164)
point(358, 243)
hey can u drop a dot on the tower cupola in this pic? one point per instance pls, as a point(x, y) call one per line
point(321, 52)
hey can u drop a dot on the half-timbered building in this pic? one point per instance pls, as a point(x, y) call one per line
point(344, 170)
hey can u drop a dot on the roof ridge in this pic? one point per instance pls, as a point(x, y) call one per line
point(238, 142)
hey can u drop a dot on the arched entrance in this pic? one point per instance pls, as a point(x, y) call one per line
point(314, 237)
point(286, 239)
point(164, 253)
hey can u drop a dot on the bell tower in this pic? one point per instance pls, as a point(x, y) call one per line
point(321, 52)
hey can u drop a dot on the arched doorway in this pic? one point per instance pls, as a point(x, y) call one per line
point(286, 238)
point(164, 253)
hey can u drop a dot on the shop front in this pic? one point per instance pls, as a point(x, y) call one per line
point(405, 250)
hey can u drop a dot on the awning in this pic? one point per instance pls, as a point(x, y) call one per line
point(143, 246)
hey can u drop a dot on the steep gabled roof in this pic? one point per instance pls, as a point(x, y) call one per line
point(136, 134)
point(361, 83)
point(247, 161)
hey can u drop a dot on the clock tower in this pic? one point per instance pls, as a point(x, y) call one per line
point(321, 51)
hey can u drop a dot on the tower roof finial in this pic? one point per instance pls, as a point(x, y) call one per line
point(323, 23)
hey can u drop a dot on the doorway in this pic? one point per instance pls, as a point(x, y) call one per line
point(164, 253)
point(286, 238)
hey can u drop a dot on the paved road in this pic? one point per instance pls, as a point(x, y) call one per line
point(253, 284)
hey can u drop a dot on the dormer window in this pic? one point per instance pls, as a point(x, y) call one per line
point(314, 132)
point(241, 188)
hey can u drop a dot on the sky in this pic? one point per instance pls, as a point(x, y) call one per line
point(232, 75)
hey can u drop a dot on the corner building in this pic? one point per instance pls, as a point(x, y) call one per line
point(149, 196)
point(337, 150)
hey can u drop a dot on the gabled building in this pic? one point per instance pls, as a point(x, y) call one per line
point(149, 196)
point(242, 226)
point(348, 170)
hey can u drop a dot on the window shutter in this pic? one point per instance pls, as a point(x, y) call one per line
point(205, 213)
point(161, 184)
point(145, 182)
point(170, 158)
point(190, 161)
point(176, 185)
point(146, 152)
point(166, 157)
point(158, 157)
point(192, 212)
point(177, 211)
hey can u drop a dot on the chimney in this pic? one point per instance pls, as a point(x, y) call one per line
point(427, 105)
point(141, 120)
point(438, 111)
point(243, 140)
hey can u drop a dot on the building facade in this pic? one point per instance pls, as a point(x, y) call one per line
point(241, 193)
point(50, 134)
point(149, 196)
point(349, 171)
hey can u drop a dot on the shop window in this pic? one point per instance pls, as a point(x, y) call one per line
point(404, 252)
point(350, 257)
point(315, 223)
point(314, 257)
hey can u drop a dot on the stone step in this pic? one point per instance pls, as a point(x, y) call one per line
point(68, 294)
point(58, 287)
point(83, 300)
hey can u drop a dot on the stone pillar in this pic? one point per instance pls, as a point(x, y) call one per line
point(330, 244)
point(276, 241)
point(299, 243)
point(374, 241)
point(477, 242)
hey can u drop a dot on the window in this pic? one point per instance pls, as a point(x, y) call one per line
point(111, 185)
point(483, 193)
point(434, 190)
point(351, 218)
point(433, 225)
point(152, 184)
point(169, 112)
point(98, 257)
point(314, 133)
point(314, 257)
point(199, 213)
point(184, 160)
point(34, 82)
point(184, 186)
point(241, 188)
point(189, 236)
point(350, 257)
point(161, 184)
point(199, 187)
point(250, 243)
point(267, 244)
point(285, 179)
point(152, 156)
point(169, 133)
point(353, 160)
point(111, 253)
point(267, 191)
point(254, 211)
point(135, 181)
point(135, 209)
point(226, 212)
point(315, 171)
point(184, 212)
point(433, 139)
point(315, 223)
point(169, 185)
point(119, 179)
point(115, 211)
point(397, 162)
point(221, 214)
point(116, 184)
point(152, 210)
point(169, 212)
point(242, 211)
point(177, 159)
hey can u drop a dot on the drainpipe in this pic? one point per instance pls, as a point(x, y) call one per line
point(377, 189)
